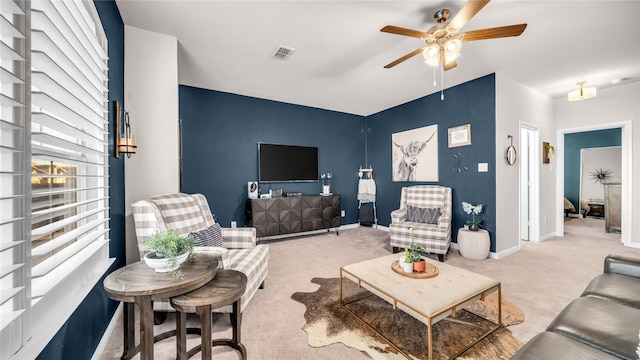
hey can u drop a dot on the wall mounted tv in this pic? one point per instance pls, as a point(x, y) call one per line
point(287, 163)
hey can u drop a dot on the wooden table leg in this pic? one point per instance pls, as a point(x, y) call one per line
point(146, 327)
point(236, 323)
point(129, 324)
point(204, 312)
point(181, 335)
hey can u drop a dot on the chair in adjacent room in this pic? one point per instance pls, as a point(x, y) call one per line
point(424, 217)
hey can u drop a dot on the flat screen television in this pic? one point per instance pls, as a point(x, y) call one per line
point(287, 163)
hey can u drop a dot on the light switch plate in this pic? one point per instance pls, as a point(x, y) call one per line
point(483, 167)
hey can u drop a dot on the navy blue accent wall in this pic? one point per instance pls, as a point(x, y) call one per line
point(221, 132)
point(573, 143)
point(79, 336)
point(472, 103)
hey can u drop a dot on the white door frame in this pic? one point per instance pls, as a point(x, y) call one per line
point(627, 171)
point(534, 182)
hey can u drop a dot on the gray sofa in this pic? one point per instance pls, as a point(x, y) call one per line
point(185, 213)
point(604, 323)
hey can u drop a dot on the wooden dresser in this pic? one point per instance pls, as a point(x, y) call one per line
point(612, 206)
point(287, 215)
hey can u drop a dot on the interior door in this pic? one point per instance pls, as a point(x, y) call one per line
point(524, 184)
point(528, 183)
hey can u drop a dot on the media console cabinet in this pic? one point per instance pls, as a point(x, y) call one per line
point(288, 215)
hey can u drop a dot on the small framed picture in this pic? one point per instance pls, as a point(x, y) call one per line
point(460, 136)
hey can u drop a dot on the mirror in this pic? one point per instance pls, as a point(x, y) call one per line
point(511, 155)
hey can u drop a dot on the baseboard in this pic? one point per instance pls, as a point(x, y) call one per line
point(107, 333)
point(505, 253)
point(547, 236)
point(307, 233)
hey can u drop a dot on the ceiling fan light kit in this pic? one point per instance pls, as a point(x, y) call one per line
point(444, 39)
point(582, 93)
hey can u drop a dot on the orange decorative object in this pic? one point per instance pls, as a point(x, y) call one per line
point(419, 266)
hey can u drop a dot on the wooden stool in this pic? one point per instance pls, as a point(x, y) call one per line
point(226, 288)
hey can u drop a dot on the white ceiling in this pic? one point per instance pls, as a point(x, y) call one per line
point(340, 51)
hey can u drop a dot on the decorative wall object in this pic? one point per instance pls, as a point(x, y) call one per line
point(415, 154)
point(510, 154)
point(460, 136)
point(601, 176)
point(547, 150)
point(458, 166)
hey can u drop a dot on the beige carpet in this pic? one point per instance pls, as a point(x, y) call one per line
point(329, 323)
point(541, 279)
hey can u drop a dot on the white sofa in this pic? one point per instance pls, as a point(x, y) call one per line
point(185, 213)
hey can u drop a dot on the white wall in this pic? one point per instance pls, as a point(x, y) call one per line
point(516, 104)
point(615, 105)
point(151, 97)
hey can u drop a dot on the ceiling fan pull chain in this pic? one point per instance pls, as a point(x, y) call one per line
point(442, 84)
point(434, 76)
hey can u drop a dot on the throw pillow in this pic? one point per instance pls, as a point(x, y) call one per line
point(423, 215)
point(211, 236)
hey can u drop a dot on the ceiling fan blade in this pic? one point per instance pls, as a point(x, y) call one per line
point(408, 56)
point(494, 33)
point(450, 65)
point(468, 11)
point(404, 31)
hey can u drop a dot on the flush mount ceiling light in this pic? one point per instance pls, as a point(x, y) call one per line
point(581, 93)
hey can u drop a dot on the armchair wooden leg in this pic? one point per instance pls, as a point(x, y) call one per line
point(395, 249)
point(441, 257)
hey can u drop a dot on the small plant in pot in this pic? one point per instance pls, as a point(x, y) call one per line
point(170, 251)
point(407, 264)
point(416, 251)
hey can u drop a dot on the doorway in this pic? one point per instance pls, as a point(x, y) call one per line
point(529, 183)
point(626, 175)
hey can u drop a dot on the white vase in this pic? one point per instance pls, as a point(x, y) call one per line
point(326, 189)
point(161, 265)
point(407, 267)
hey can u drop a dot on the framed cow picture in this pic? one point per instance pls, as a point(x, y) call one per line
point(415, 154)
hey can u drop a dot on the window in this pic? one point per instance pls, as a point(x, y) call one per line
point(54, 194)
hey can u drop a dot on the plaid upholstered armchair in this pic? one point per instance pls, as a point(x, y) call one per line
point(190, 213)
point(427, 210)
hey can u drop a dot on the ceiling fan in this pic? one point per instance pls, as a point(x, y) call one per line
point(444, 39)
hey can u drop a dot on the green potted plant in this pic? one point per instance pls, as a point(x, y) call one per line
point(416, 251)
point(407, 264)
point(170, 250)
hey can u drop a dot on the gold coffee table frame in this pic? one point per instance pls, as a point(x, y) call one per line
point(426, 314)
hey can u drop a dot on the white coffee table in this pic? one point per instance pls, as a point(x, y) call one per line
point(451, 291)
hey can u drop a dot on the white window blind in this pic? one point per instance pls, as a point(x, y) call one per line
point(65, 200)
point(14, 176)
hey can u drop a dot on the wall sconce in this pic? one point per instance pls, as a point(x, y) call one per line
point(126, 144)
point(547, 150)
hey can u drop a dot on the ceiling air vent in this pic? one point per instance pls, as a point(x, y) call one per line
point(283, 53)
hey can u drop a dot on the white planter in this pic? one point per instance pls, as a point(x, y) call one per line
point(161, 264)
point(474, 244)
point(407, 267)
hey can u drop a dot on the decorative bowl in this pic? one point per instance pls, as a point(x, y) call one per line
point(160, 264)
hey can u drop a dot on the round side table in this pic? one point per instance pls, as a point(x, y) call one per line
point(474, 244)
point(226, 288)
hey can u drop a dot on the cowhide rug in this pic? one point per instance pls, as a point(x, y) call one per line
point(328, 323)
